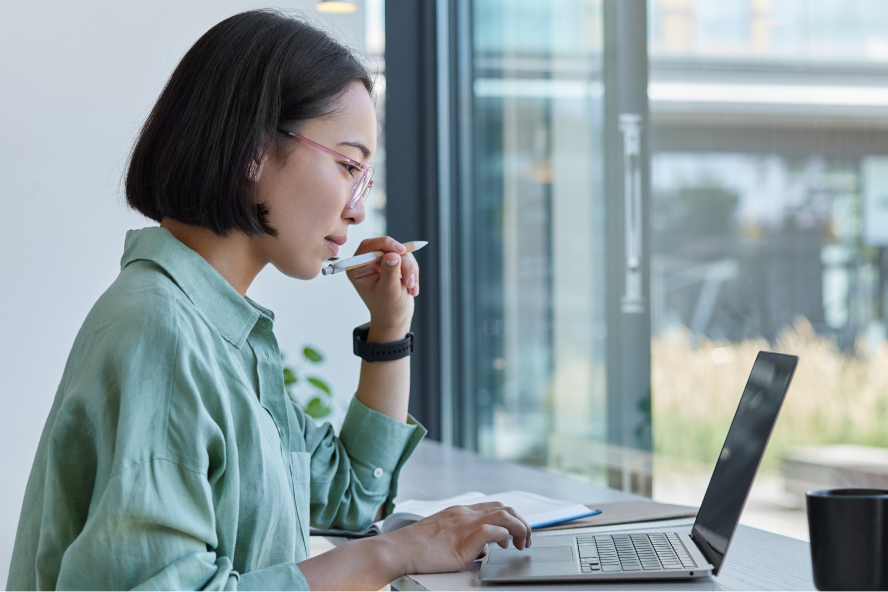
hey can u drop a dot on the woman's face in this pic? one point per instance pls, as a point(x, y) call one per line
point(307, 190)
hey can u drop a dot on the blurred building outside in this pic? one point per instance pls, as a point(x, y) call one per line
point(769, 225)
point(768, 228)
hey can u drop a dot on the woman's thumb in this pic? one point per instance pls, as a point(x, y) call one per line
point(391, 271)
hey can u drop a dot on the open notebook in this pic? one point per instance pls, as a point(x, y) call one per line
point(539, 511)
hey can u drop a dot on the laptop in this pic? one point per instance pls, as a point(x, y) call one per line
point(643, 555)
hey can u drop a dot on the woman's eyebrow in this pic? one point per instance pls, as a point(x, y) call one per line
point(364, 150)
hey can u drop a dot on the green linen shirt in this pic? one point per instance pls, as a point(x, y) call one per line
point(172, 457)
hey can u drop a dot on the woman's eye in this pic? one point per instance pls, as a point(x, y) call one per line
point(351, 169)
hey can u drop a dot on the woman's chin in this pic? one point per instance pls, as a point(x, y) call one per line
point(298, 270)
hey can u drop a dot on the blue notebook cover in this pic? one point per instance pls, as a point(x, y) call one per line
point(563, 520)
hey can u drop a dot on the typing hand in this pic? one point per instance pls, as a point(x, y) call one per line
point(387, 287)
point(453, 538)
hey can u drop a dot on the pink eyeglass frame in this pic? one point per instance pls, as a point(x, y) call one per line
point(366, 171)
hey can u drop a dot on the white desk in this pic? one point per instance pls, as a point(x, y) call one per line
point(757, 560)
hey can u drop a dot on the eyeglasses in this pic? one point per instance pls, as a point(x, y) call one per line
point(362, 188)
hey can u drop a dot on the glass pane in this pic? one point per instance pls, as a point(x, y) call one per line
point(537, 215)
point(769, 178)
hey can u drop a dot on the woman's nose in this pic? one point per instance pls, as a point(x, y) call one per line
point(356, 214)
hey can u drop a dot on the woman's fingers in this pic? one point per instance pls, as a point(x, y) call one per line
point(479, 537)
point(391, 273)
point(482, 553)
point(380, 243)
point(497, 506)
point(507, 518)
point(410, 274)
point(526, 524)
point(364, 271)
point(487, 506)
point(409, 268)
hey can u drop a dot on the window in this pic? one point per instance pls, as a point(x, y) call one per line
point(605, 328)
point(766, 171)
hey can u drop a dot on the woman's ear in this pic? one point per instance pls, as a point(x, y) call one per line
point(253, 171)
point(267, 149)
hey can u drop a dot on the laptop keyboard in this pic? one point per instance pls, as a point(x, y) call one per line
point(633, 552)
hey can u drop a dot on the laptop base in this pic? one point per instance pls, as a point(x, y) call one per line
point(559, 558)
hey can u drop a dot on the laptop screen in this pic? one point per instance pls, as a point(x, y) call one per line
point(740, 457)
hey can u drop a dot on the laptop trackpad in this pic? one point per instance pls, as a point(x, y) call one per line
point(535, 554)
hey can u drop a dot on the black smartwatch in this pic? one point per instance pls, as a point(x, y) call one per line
point(380, 352)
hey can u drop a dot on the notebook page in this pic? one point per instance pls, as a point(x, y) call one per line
point(427, 508)
point(536, 509)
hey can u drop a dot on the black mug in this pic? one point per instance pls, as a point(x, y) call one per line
point(849, 538)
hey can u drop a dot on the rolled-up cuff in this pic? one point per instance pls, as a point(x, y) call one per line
point(378, 447)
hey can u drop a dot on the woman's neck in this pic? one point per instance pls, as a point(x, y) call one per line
point(234, 256)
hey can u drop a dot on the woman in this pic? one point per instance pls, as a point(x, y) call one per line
point(172, 457)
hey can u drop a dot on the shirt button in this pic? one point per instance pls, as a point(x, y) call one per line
point(377, 473)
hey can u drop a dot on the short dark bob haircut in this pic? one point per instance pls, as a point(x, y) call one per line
point(246, 78)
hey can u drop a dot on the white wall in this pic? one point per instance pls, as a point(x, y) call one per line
point(76, 81)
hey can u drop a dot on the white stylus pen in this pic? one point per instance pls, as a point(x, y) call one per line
point(366, 259)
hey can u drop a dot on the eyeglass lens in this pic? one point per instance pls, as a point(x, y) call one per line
point(362, 189)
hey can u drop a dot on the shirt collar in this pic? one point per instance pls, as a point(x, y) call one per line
point(230, 313)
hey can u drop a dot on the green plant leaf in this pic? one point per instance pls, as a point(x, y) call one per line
point(312, 355)
point(320, 384)
point(317, 409)
point(289, 376)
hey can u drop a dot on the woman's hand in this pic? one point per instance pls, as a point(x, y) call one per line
point(387, 287)
point(453, 538)
point(446, 541)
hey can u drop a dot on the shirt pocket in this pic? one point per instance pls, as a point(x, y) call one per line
point(300, 472)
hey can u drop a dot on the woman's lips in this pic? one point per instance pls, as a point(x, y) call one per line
point(333, 246)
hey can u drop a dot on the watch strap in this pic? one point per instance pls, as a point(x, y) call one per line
point(380, 352)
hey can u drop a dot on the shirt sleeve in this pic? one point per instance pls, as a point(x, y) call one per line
point(356, 473)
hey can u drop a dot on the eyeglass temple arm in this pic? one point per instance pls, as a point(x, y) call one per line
point(328, 150)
